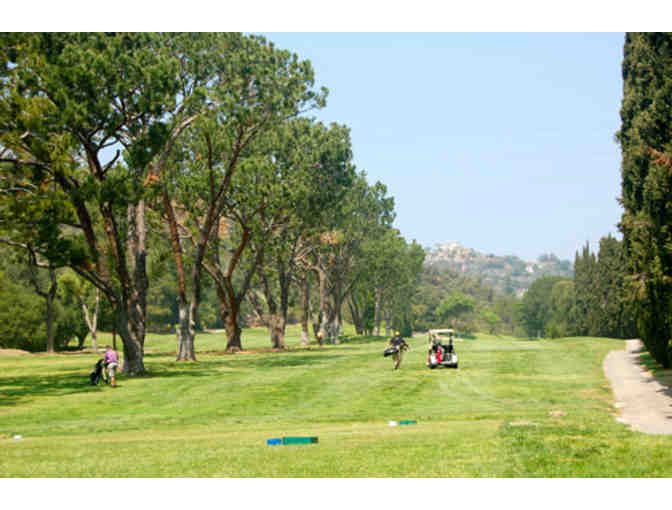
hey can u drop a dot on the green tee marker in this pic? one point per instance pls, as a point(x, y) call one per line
point(299, 440)
point(408, 422)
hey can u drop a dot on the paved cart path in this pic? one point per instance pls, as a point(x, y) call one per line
point(644, 402)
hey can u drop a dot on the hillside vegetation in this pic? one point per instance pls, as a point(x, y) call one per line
point(506, 274)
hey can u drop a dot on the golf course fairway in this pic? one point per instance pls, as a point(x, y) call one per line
point(514, 408)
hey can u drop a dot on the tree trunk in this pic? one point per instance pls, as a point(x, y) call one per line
point(337, 296)
point(324, 306)
point(49, 295)
point(185, 334)
point(233, 341)
point(132, 316)
point(333, 326)
point(281, 315)
point(274, 326)
point(132, 334)
point(306, 312)
point(140, 283)
point(92, 319)
point(114, 335)
point(186, 320)
point(376, 320)
point(229, 309)
point(94, 322)
point(256, 309)
point(339, 320)
point(229, 299)
point(50, 322)
point(356, 314)
point(316, 320)
point(277, 328)
point(388, 323)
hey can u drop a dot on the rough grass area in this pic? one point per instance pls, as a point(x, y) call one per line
point(514, 408)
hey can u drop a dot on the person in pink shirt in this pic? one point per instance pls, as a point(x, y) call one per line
point(111, 362)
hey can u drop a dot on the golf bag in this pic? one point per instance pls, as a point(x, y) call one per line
point(98, 374)
point(390, 351)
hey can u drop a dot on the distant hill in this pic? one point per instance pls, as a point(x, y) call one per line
point(507, 274)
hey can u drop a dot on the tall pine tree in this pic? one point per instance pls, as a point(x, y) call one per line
point(646, 144)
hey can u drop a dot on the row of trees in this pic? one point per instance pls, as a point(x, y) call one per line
point(626, 291)
point(125, 154)
point(187, 160)
point(594, 303)
point(448, 299)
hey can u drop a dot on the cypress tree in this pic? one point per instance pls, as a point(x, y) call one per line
point(586, 297)
point(616, 318)
point(646, 180)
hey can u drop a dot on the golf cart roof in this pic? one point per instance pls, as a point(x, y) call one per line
point(441, 331)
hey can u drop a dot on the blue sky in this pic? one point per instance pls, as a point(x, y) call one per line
point(501, 141)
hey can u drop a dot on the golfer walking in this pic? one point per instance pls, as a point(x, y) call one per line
point(401, 345)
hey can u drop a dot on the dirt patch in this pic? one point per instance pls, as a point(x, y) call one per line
point(8, 353)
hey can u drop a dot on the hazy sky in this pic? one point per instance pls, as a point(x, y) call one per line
point(503, 142)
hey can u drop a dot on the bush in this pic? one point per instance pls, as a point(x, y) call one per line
point(22, 324)
point(556, 330)
point(70, 324)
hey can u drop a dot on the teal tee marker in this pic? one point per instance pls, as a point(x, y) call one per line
point(299, 440)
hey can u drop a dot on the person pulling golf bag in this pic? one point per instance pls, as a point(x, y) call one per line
point(397, 347)
point(98, 374)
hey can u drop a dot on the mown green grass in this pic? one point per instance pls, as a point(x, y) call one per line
point(212, 418)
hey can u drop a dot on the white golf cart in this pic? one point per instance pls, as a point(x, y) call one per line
point(441, 354)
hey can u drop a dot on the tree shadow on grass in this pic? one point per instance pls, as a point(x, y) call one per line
point(174, 370)
point(291, 360)
point(15, 389)
point(358, 340)
point(75, 380)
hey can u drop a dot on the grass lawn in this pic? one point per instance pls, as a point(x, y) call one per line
point(492, 417)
